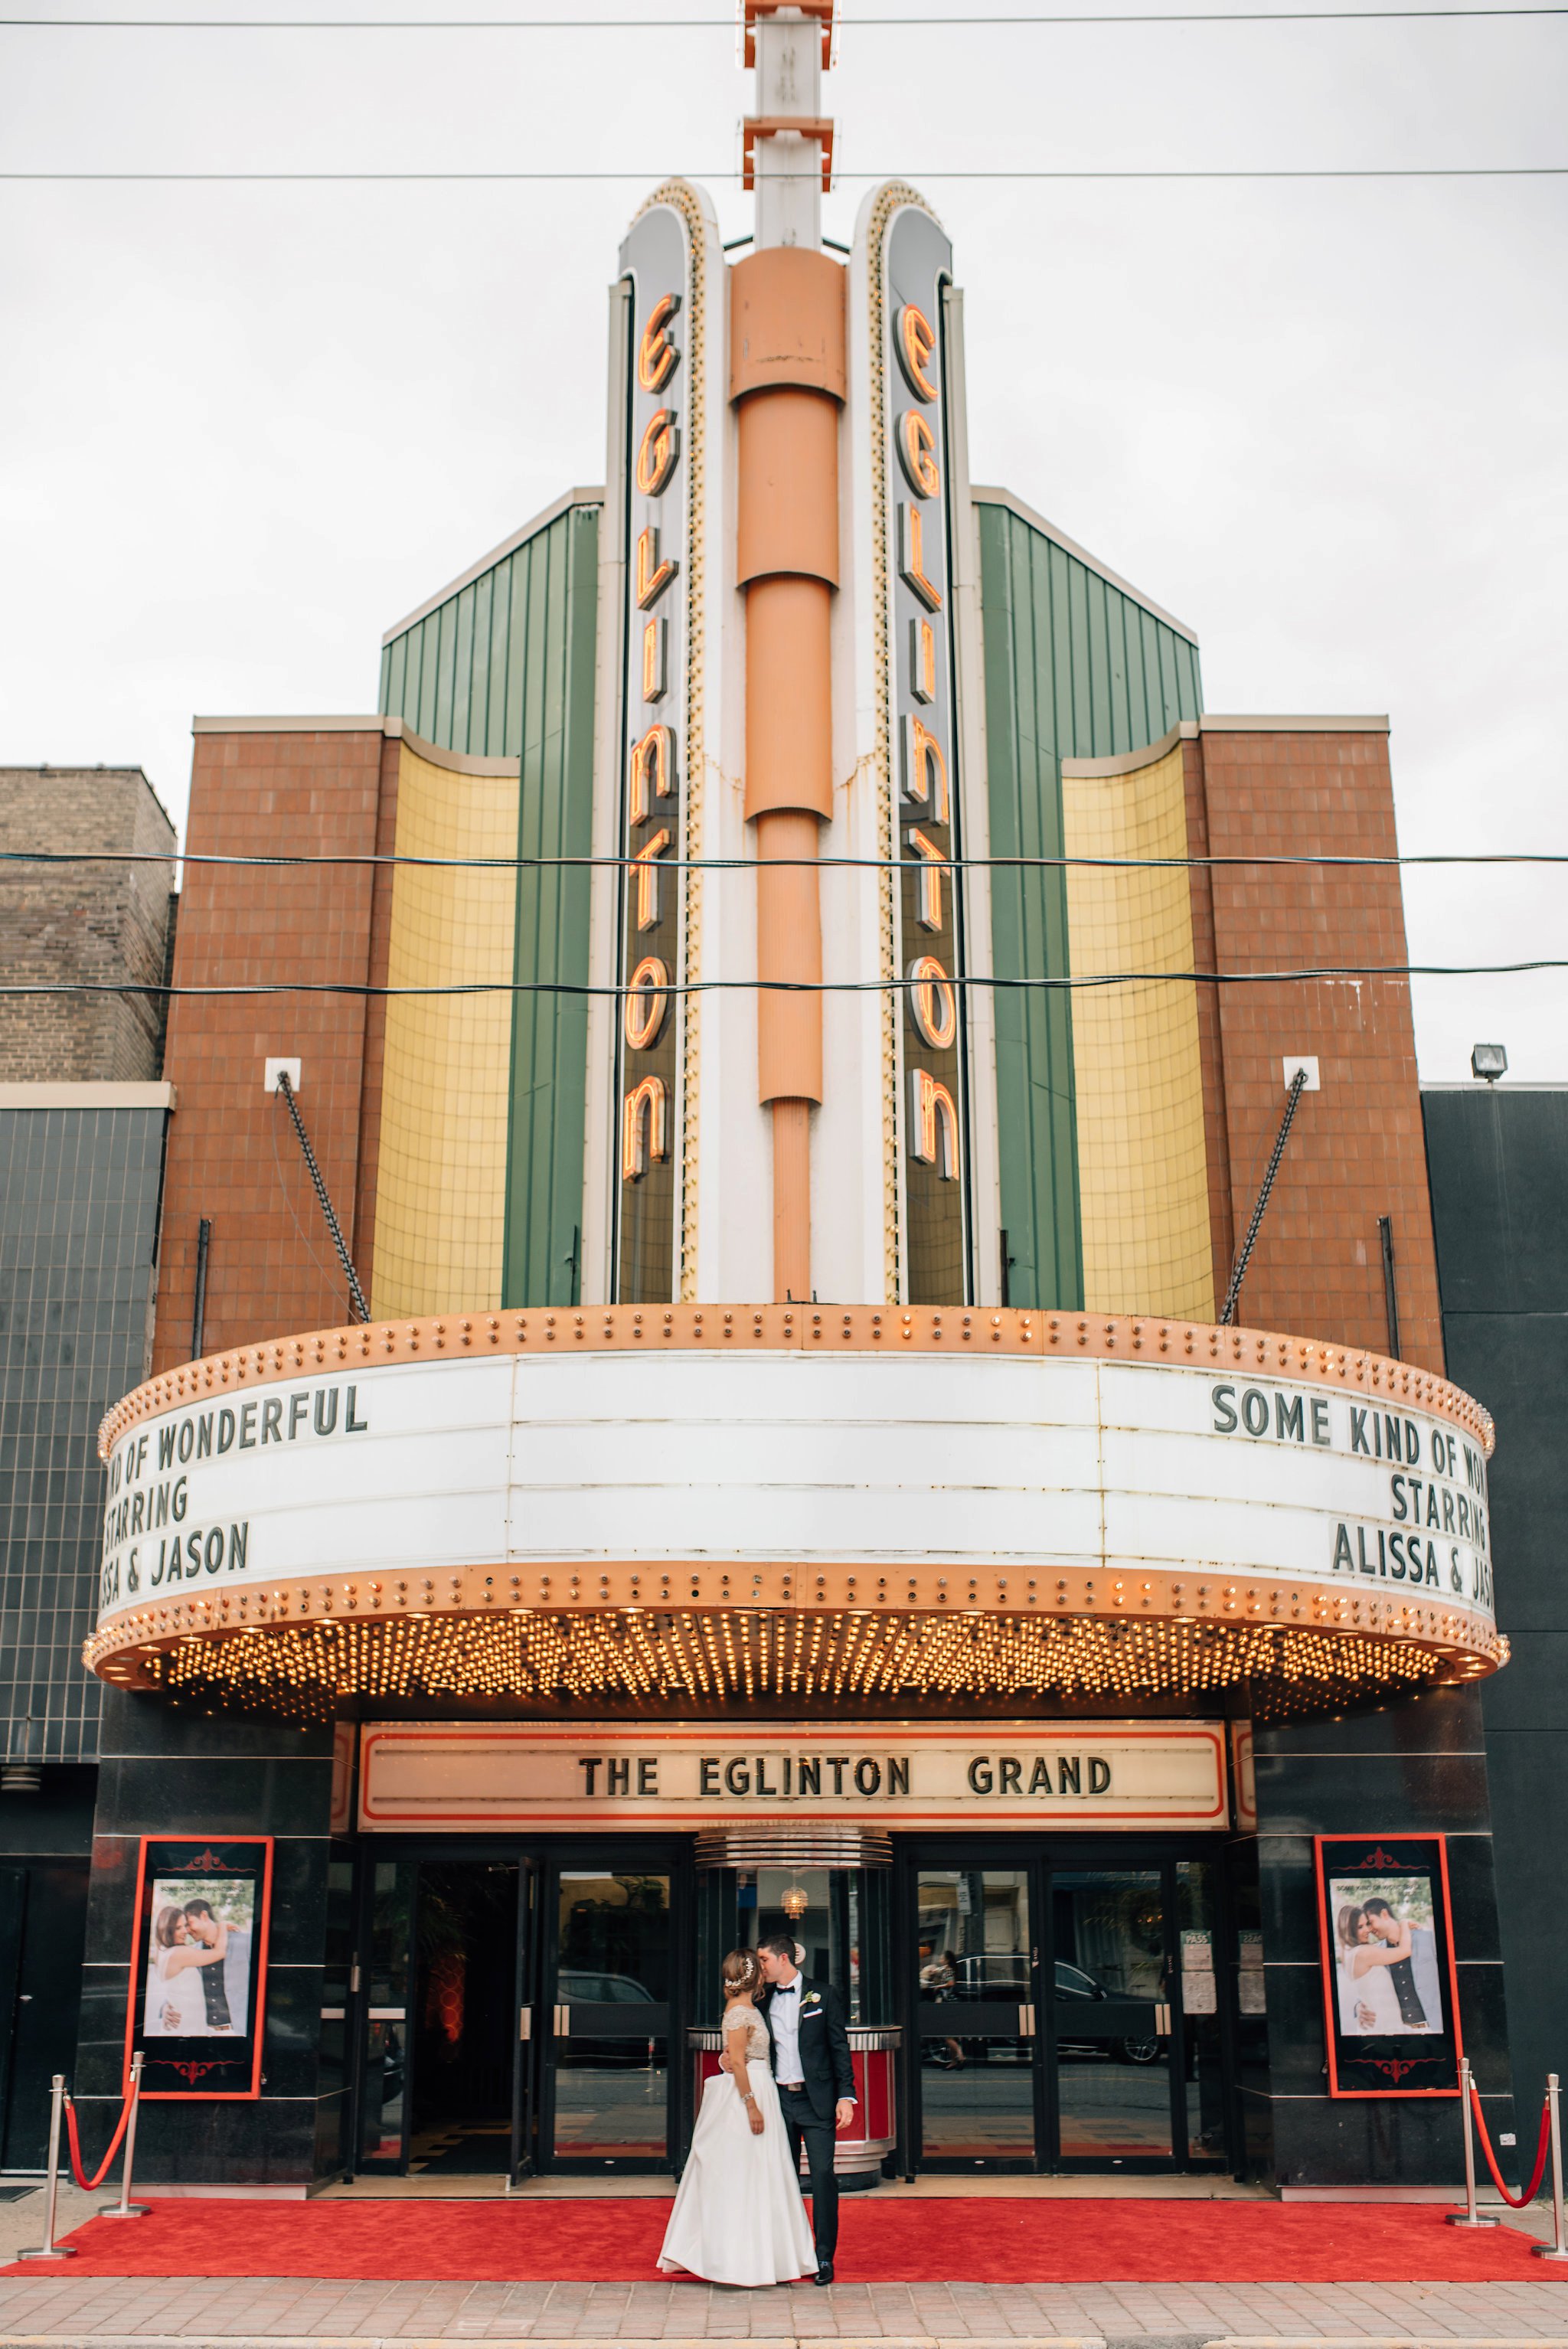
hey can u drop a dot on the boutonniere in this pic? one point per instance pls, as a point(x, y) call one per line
point(813, 1998)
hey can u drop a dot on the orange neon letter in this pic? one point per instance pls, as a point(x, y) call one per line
point(653, 763)
point(661, 445)
point(931, 1002)
point(923, 660)
point(653, 577)
point(657, 357)
point(642, 1128)
point(933, 1124)
point(656, 659)
point(932, 865)
point(647, 1000)
point(924, 769)
point(917, 453)
point(915, 343)
point(912, 557)
point(647, 873)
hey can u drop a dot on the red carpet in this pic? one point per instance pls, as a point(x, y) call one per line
point(959, 2240)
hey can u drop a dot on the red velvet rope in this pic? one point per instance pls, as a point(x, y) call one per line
point(1515, 2201)
point(86, 2183)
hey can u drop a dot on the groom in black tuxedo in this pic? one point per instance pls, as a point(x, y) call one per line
point(811, 2058)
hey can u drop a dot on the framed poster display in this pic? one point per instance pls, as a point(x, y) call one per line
point(199, 1964)
point(1390, 1995)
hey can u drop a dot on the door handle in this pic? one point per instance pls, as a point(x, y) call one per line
point(1026, 2021)
point(562, 2024)
point(525, 2022)
point(388, 2014)
point(1161, 2022)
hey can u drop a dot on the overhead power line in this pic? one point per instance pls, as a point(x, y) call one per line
point(752, 863)
point(649, 23)
point(1074, 981)
point(316, 179)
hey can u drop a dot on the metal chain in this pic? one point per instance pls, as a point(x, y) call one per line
point(333, 1225)
point(1232, 1294)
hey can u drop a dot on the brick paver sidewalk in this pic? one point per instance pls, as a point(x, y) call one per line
point(97, 2312)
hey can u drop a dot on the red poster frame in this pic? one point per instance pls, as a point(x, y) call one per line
point(263, 1845)
point(1321, 1845)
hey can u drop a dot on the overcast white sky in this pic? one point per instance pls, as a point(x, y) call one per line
point(244, 429)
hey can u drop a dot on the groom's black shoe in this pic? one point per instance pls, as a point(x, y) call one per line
point(824, 2273)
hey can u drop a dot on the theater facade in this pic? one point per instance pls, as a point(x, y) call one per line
point(791, 1000)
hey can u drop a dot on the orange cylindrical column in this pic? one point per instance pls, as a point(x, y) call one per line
point(787, 375)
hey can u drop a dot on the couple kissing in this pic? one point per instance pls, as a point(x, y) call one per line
point(785, 2082)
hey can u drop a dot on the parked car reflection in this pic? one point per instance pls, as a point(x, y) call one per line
point(998, 1980)
point(635, 2043)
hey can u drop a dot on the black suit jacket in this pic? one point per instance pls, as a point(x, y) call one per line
point(825, 2063)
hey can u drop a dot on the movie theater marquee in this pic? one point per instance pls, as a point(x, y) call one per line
point(561, 1465)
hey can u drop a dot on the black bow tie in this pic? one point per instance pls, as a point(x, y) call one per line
point(785, 1990)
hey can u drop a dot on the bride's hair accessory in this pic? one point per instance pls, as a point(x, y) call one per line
point(741, 1971)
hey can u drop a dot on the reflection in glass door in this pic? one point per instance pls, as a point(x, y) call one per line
point(387, 1942)
point(611, 2018)
point(1111, 2014)
point(975, 2015)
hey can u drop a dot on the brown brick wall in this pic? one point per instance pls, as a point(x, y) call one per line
point(1356, 1150)
point(88, 922)
point(232, 1154)
point(363, 1243)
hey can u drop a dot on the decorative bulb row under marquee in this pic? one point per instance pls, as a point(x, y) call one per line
point(815, 1666)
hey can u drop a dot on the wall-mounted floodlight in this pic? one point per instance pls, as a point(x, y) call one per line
point(1488, 1061)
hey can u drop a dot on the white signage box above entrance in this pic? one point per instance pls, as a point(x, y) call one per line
point(462, 1776)
point(729, 1477)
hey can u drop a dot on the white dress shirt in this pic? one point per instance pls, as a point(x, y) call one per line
point(784, 2022)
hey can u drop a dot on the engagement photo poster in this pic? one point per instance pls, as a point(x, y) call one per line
point(199, 1964)
point(1390, 1997)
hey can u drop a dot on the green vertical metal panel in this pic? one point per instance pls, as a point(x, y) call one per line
point(550, 1032)
point(504, 668)
point(478, 691)
point(1075, 667)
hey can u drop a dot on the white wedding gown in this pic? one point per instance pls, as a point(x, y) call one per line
point(1375, 1990)
point(182, 1996)
point(738, 2216)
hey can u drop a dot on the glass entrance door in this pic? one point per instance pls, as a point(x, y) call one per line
point(1110, 2017)
point(610, 1969)
point(463, 2030)
point(977, 1961)
point(1066, 2009)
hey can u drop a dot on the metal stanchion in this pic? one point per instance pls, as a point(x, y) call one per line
point(125, 2207)
point(1557, 2249)
point(1469, 2216)
point(49, 2248)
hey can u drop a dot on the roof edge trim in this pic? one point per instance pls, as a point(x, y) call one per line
point(541, 520)
point(998, 497)
point(89, 1093)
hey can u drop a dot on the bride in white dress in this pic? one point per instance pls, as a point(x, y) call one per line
point(738, 2215)
point(176, 2003)
point(1370, 2004)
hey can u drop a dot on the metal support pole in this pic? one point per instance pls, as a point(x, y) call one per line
point(199, 1303)
point(1469, 2216)
point(1244, 1253)
point(1557, 2249)
point(333, 1225)
point(125, 2207)
point(49, 2248)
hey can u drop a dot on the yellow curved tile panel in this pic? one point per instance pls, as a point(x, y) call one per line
point(1136, 1070)
point(440, 1201)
